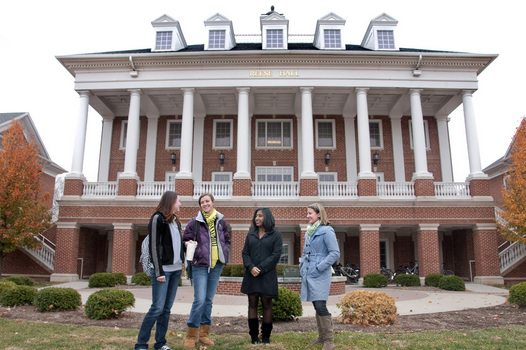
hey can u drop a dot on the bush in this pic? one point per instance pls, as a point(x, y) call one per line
point(432, 279)
point(101, 280)
point(120, 278)
point(227, 270)
point(22, 280)
point(107, 303)
point(518, 295)
point(57, 299)
point(367, 308)
point(18, 295)
point(374, 280)
point(408, 280)
point(237, 270)
point(286, 307)
point(140, 278)
point(452, 283)
point(4, 284)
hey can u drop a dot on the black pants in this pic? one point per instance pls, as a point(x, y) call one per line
point(321, 307)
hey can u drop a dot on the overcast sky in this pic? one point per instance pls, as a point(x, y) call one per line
point(33, 33)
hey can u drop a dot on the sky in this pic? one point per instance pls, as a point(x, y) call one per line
point(33, 33)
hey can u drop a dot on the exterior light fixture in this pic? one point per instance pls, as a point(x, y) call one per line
point(376, 158)
point(221, 158)
point(327, 158)
point(173, 157)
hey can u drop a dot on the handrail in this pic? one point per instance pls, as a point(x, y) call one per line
point(275, 189)
point(338, 189)
point(221, 189)
point(100, 189)
point(395, 189)
point(46, 253)
point(452, 190)
point(154, 189)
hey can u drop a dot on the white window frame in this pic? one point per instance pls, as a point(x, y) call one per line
point(222, 173)
point(426, 134)
point(275, 167)
point(289, 241)
point(331, 121)
point(335, 174)
point(381, 43)
point(216, 43)
point(380, 128)
point(164, 45)
point(169, 176)
point(379, 176)
point(274, 121)
point(282, 38)
point(168, 122)
point(329, 44)
point(231, 122)
point(124, 134)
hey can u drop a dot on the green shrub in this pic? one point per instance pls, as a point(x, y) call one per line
point(101, 280)
point(22, 280)
point(452, 283)
point(141, 279)
point(227, 270)
point(120, 278)
point(408, 280)
point(18, 295)
point(57, 299)
point(4, 284)
point(367, 308)
point(374, 280)
point(280, 268)
point(107, 303)
point(237, 270)
point(286, 307)
point(432, 279)
point(518, 295)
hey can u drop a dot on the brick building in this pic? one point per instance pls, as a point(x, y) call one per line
point(281, 120)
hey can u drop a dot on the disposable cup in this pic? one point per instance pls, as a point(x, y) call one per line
point(190, 250)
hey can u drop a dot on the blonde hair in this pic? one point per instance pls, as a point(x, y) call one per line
point(319, 209)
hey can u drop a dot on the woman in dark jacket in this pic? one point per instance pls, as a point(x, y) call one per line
point(261, 254)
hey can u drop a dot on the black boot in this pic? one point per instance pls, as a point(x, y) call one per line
point(253, 326)
point(266, 329)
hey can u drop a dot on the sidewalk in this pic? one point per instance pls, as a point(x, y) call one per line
point(408, 302)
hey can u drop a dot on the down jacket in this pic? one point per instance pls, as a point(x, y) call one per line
point(161, 247)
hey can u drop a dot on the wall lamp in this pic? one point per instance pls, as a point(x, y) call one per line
point(221, 158)
point(327, 158)
point(173, 157)
point(376, 158)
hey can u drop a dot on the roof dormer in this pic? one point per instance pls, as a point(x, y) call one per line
point(274, 30)
point(220, 33)
point(329, 30)
point(380, 33)
point(168, 34)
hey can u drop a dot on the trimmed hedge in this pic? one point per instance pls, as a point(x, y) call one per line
point(286, 307)
point(18, 295)
point(408, 280)
point(452, 283)
point(374, 280)
point(517, 295)
point(120, 278)
point(102, 280)
point(141, 279)
point(4, 284)
point(21, 280)
point(433, 279)
point(107, 303)
point(57, 299)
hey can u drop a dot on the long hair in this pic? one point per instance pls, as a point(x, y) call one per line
point(166, 204)
point(268, 219)
point(319, 209)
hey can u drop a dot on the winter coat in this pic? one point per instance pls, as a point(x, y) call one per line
point(264, 254)
point(203, 251)
point(319, 253)
point(161, 248)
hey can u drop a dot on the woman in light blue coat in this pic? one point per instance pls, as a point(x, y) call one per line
point(320, 252)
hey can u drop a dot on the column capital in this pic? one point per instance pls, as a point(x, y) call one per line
point(467, 92)
point(415, 91)
point(306, 89)
point(428, 227)
point(243, 89)
point(84, 93)
point(135, 91)
point(484, 227)
point(123, 226)
point(349, 116)
point(361, 90)
point(370, 227)
point(188, 90)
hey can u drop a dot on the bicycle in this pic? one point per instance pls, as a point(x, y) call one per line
point(353, 274)
point(388, 273)
point(446, 272)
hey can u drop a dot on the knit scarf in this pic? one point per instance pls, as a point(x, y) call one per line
point(210, 220)
point(312, 227)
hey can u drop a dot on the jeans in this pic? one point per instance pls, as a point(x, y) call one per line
point(163, 295)
point(205, 286)
point(321, 307)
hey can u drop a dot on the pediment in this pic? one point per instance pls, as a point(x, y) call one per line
point(165, 19)
point(331, 18)
point(216, 19)
point(274, 16)
point(384, 19)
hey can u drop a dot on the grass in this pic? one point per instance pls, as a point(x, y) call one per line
point(21, 334)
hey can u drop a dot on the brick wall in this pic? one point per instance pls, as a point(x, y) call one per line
point(234, 287)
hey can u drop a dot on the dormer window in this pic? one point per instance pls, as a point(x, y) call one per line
point(216, 39)
point(274, 30)
point(332, 38)
point(163, 41)
point(385, 39)
point(275, 38)
point(380, 34)
point(168, 34)
point(328, 35)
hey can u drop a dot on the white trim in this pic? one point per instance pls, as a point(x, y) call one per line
point(122, 141)
point(332, 122)
point(274, 121)
point(169, 174)
point(168, 123)
point(426, 134)
point(379, 122)
point(231, 122)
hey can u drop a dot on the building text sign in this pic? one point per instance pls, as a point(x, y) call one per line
point(271, 73)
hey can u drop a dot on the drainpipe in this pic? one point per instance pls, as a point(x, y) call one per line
point(471, 270)
point(81, 266)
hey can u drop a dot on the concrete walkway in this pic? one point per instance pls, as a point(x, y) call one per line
point(408, 302)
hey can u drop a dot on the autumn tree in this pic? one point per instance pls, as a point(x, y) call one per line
point(23, 213)
point(513, 225)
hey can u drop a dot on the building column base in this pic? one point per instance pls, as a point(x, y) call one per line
point(63, 277)
point(489, 280)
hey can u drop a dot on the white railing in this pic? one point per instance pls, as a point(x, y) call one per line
point(395, 189)
point(154, 189)
point(511, 255)
point(338, 189)
point(218, 189)
point(452, 190)
point(100, 189)
point(46, 254)
point(276, 189)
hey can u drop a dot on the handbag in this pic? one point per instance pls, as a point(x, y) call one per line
point(188, 263)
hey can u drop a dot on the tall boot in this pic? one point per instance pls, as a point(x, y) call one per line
point(328, 334)
point(191, 333)
point(203, 335)
point(253, 326)
point(320, 332)
point(266, 329)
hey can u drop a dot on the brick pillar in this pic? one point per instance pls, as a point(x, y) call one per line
point(127, 187)
point(424, 187)
point(66, 253)
point(308, 187)
point(428, 249)
point(73, 186)
point(487, 262)
point(237, 242)
point(366, 187)
point(242, 187)
point(184, 187)
point(479, 187)
point(303, 228)
point(369, 249)
point(123, 255)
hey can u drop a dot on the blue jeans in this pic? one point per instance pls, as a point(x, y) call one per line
point(163, 295)
point(205, 286)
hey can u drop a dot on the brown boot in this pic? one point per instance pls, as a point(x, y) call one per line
point(327, 333)
point(320, 332)
point(191, 333)
point(203, 335)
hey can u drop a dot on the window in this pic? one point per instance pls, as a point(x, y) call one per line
point(163, 41)
point(332, 38)
point(284, 258)
point(275, 38)
point(173, 134)
point(385, 39)
point(274, 174)
point(426, 134)
point(274, 134)
point(327, 177)
point(124, 133)
point(221, 177)
point(216, 39)
point(375, 133)
point(325, 134)
point(223, 134)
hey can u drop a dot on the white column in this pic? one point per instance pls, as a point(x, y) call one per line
point(300, 143)
point(187, 127)
point(364, 137)
point(243, 135)
point(80, 136)
point(105, 149)
point(350, 148)
point(419, 140)
point(151, 147)
point(475, 168)
point(307, 133)
point(398, 148)
point(199, 136)
point(443, 146)
point(132, 136)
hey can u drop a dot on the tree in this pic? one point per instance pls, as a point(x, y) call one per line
point(513, 225)
point(23, 212)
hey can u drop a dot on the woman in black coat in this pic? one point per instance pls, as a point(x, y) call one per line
point(261, 254)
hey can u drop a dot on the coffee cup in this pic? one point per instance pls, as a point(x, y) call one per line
point(190, 250)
